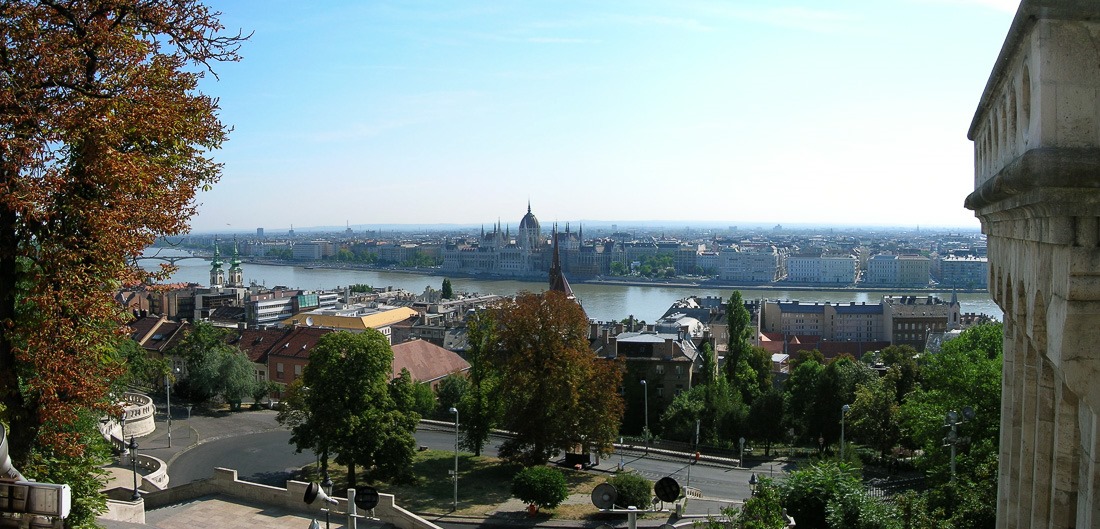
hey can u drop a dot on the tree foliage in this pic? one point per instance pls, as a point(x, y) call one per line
point(349, 407)
point(213, 366)
point(558, 394)
point(479, 408)
point(541, 486)
point(827, 494)
point(449, 394)
point(447, 290)
point(104, 139)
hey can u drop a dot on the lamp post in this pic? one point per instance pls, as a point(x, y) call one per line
point(741, 460)
point(843, 411)
point(328, 484)
point(646, 386)
point(168, 393)
point(455, 507)
point(133, 463)
point(188, 421)
point(952, 422)
point(752, 484)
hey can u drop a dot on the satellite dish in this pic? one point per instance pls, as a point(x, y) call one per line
point(604, 496)
point(309, 321)
point(366, 498)
point(667, 489)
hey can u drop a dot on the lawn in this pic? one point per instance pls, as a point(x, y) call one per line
point(483, 484)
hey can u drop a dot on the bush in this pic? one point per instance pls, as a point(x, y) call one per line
point(633, 490)
point(540, 486)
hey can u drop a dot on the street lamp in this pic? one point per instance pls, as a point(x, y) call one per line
point(646, 385)
point(133, 463)
point(455, 411)
point(752, 484)
point(741, 461)
point(952, 421)
point(188, 421)
point(168, 393)
point(843, 411)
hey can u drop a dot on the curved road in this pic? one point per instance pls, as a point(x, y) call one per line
point(268, 458)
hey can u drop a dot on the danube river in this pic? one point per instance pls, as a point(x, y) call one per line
point(602, 302)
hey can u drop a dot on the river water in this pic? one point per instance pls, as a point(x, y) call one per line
point(601, 301)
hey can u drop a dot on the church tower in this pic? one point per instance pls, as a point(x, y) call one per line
point(236, 275)
point(217, 275)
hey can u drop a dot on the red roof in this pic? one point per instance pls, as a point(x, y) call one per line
point(426, 361)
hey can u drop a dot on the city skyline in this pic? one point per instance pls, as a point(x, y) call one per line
point(779, 113)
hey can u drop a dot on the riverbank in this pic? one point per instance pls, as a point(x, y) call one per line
point(630, 282)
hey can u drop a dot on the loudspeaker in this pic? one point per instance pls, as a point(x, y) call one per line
point(315, 492)
point(366, 498)
point(7, 471)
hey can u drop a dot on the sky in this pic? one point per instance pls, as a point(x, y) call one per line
point(846, 112)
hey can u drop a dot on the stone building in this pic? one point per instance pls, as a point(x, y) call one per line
point(1036, 137)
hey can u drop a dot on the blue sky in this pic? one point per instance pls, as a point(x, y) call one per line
point(740, 112)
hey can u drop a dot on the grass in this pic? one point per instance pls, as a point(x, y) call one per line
point(483, 484)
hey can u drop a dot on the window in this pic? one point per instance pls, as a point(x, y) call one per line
point(297, 370)
point(660, 369)
point(679, 371)
point(279, 370)
point(660, 390)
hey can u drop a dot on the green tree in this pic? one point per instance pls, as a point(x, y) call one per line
point(874, 414)
point(213, 366)
point(479, 408)
point(710, 364)
point(903, 359)
point(619, 268)
point(449, 394)
point(965, 373)
point(448, 292)
point(410, 396)
point(801, 393)
point(721, 414)
point(766, 419)
point(558, 394)
point(739, 333)
point(540, 486)
point(348, 408)
point(632, 490)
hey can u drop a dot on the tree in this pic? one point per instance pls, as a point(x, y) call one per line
point(710, 364)
point(479, 409)
point(213, 366)
point(348, 407)
point(106, 139)
point(412, 396)
point(449, 393)
point(739, 333)
point(966, 372)
point(558, 394)
point(874, 413)
point(766, 419)
point(448, 292)
point(801, 391)
point(540, 486)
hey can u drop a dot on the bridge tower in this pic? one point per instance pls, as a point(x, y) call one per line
point(1036, 137)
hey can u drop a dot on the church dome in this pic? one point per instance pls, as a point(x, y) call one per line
point(529, 222)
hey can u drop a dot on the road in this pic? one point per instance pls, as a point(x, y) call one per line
point(268, 458)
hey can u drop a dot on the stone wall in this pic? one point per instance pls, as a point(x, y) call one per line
point(1036, 140)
